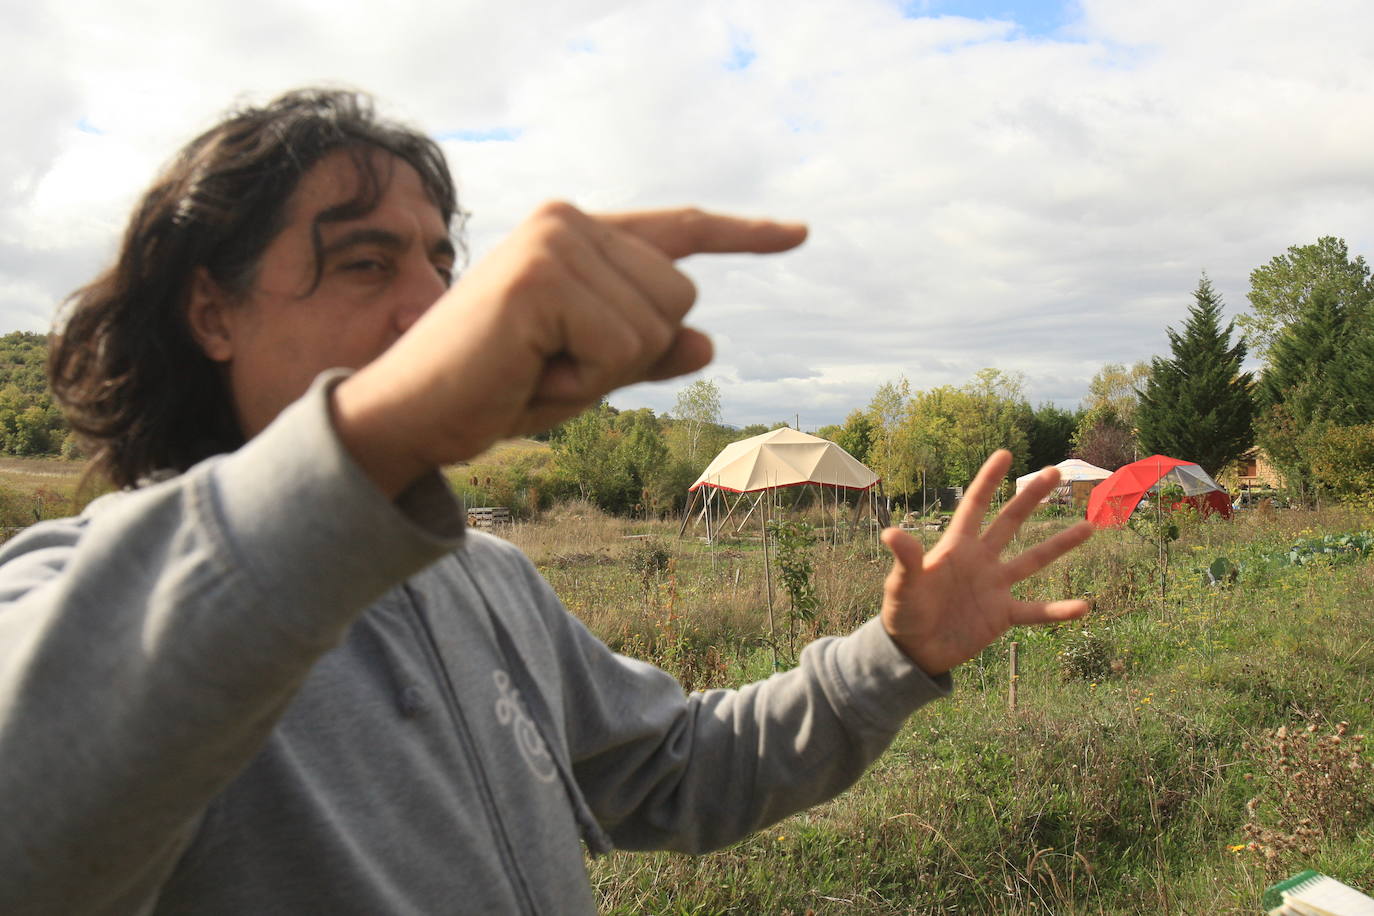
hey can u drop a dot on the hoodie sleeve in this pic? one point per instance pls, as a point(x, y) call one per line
point(661, 770)
point(148, 647)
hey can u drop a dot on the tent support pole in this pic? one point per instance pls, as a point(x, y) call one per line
point(768, 585)
point(878, 519)
point(687, 512)
point(711, 539)
point(758, 500)
point(711, 534)
point(836, 528)
point(721, 524)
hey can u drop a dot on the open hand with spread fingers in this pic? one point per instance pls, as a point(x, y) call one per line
point(944, 606)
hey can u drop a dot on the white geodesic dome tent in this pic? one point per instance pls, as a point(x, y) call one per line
point(1069, 471)
point(747, 470)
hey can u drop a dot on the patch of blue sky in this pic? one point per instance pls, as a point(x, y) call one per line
point(742, 52)
point(1037, 18)
point(86, 127)
point(582, 46)
point(482, 134)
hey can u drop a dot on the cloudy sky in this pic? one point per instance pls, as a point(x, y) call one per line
point(1025, 184)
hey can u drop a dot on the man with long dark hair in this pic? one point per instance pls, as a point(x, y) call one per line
point(274, 674)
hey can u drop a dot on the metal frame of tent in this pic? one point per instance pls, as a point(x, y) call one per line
point(765, 499)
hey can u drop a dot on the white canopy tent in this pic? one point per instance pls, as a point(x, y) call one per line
point(783, 458)
point(1069, 470)
point(765, 464)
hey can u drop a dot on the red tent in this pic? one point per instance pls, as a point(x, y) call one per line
point(1114, 499)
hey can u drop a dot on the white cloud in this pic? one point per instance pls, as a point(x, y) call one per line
point(977, 197)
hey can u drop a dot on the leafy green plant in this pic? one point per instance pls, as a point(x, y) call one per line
point(1161, 528)
point(1331, 548)
point(796, 572)
point(1222, 572)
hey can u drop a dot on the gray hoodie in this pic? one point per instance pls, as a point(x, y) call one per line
point(261, 687)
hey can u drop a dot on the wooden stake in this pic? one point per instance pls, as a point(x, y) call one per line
point(1015, 677)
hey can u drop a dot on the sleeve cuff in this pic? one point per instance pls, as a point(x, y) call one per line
point(884, 686)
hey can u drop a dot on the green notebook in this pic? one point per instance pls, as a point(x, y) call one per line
point(1311, 893)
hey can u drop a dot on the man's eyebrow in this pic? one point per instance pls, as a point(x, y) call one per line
point(363, 236)
point(384, 237)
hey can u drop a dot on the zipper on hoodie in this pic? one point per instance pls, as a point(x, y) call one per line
point(450, 695)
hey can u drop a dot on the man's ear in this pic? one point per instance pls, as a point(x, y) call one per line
point(206, 315)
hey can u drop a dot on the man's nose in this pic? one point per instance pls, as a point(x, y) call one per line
point(422, 290)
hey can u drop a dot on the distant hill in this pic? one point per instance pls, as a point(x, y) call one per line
point(30, 424)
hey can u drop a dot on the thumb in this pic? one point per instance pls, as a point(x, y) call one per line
point(907, 552)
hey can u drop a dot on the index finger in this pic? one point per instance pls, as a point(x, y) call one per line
point(1015, 512)
point(686, 231)
point(968, 517)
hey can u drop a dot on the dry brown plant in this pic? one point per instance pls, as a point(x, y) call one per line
point(1312, 788)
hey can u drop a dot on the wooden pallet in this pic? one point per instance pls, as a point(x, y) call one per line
point(488, 516)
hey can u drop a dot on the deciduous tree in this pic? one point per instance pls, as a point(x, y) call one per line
point(1106, 421)
point(1104, 441)
point(1287, 287)
point(30, 424)
point(925, 433)
point(585, 451)
point(697, 412)
point(888, 455)
point(1342, 460)
point(856, 436)
point(983, 417)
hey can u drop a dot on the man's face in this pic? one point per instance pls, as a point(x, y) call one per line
point(378, 274)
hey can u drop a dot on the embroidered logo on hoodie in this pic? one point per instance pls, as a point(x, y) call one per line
point(510, 710)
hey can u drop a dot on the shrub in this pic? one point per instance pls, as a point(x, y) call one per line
point(1086, 655)
point(649, 558)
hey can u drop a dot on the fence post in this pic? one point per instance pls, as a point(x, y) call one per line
point(1014, 678)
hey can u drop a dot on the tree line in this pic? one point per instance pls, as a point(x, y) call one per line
point(1309, 408)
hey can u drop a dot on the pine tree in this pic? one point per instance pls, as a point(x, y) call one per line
point(1197, 405)
point(1320, 377)
point(1316, 362)
point(1049, 435)
point(1352, 377)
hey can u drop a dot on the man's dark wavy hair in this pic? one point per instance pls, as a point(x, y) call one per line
point(137, 389)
